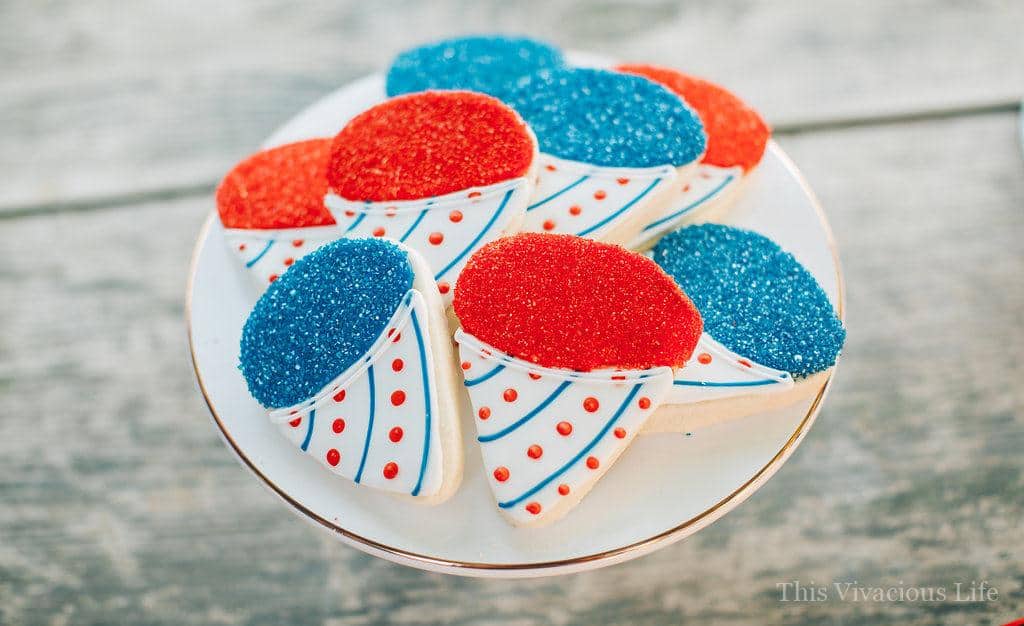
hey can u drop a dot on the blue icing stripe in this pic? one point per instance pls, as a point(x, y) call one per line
point(309, 431)
point(426, 403)
point(544, 201)
point(529, 416)
point(579, 455)
point(369, 424)
point(609, 119)
point(469, 382)
point(320, 317)
point(689, 207)
point(621, 210)
point(492, 65)
point(755, 299)
point(256, 259)
point(476, 240)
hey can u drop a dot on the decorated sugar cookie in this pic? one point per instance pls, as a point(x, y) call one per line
point(494, 65)
point(443, 172)
point(769, 328)
point(612, 146)
point(567, 347)
point(737, 136)
point(349, 351)
point(271, 206)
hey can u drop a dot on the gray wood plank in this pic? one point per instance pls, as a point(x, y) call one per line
point(120, 504)
point(103, 98)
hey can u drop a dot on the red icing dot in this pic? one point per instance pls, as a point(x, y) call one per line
point(333, 457)
point(593, 463)
point(686, 187)
point(564, 301)
point(618, 377)
point(466, 365)
point(428, 144)
point(535, 451)
point(297, 243)
point(622, 181)
point(644, 402)
point(484, 412)
point(295, 422)
point(455, 216)
point(241, 247)
point(272, 278)
point(563, 489)
point(549, 224)
point(534, 376)
point(338, 397)
point(338, 426)
point(736, 133)
point(510, 395)
point(550, 168)
point(474, 194)
point(703, 358)
point(435, 239)
point(395, 434)
point(397, 365)
point(390, 212)
point(350, 213)
point(600, 194)
point(620, 432)
point(591, 404)
point(390, 470)
point(379, 231)
point(443, 287)
point(397, 397)
point(288, 262)
point(533, 508)
point(501, 474)
point(575, 210)
point(396, 338)
point(744, 363)
point(564, 428)
point(282, 187)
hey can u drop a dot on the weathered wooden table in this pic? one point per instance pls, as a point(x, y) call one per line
point(118, 503)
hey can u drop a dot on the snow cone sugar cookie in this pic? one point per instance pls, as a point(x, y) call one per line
point(494, 65)
point(443, 172)
point(737, 136)
point(350, 352)
point(567, 347)
point(770, 333)
point(271, 206)
point(612, 147)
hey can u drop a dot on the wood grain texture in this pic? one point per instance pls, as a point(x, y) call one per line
point(104, 98)
point(121, 505)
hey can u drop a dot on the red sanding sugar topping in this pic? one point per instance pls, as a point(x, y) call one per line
point(428, 144)
point(564, 301)
point(736, 133)
point(282, 187)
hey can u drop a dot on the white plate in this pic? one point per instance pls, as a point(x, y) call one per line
point(664, 488)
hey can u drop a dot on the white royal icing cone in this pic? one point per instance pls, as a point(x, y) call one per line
point(445, 230)
point(715, 372)
point(390, 420)
point(696, 198)
point(266, 254)
point(604, 203)
point(548, 435)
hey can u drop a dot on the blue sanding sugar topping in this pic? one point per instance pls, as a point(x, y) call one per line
point(755, 298)
point(320, 317)
point(493, 65)
point(609, 118)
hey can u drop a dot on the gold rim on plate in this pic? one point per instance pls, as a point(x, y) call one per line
point(604, 558)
